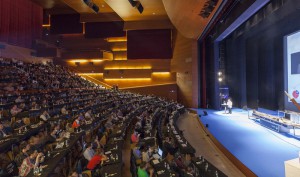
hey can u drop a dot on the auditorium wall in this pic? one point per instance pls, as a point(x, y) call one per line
point(20, 53)
point(185, 64)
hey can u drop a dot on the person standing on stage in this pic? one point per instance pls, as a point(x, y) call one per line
point(229, 104)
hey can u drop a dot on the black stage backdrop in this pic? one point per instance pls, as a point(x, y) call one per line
point(254, 60)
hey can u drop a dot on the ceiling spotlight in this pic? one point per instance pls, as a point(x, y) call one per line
point(219, 73)
point(220, 79)
point(92, 5)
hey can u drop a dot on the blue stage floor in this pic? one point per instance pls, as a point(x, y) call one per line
point(262, 150)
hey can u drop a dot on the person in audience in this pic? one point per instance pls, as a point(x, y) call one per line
point(15, 110)
point(19, 99)
point(96, 159)
point(57, 133)
point(146, 154)
point(74, 174)
point(142, 170)
point(189, 172)
point(4, 131)
point(44, 104)
point(97, 143)
point(76, 123)
point(25, 147)
point(88, 115)
point(44, 116)
point(89, 152)
point(30, 162)
point(169, 147)
point(137, 152)
point(135, 137)
point(35, 106)
point(64, 110)
point(9, 88)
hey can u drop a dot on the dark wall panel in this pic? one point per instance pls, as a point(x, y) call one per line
point(149, 44)
point(66, 24)
point(82, 54)
point(104, 29)
point(46, 52)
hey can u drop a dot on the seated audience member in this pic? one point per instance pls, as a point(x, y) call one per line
point(25, 147)
point(89, 152)
point(44, 116)
point(15, 110)
point(44, 104)
point(147, 154)
point(88, 115)
point(30, 162)
point(74, 174)
point(57, 133)
point(169, 147)
point(34, 106)
point(137, 152)
point(96, 159)
point(64, 111)
point(9, 88)
point(4, 131)
point(96, 142)
point(19, 123)
point(76, 123)
point(135, 137)
point(142, 172)
point(19, 100)
point(190, 172)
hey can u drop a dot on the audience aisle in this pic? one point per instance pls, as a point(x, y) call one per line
point(196, 136)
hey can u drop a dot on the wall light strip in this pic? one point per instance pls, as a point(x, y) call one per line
point(128, 79)
point(85, 60)
point(46, 25)
point(161, 73)
point(119, 49)
point(91, 74)
point(117, 39)
point(125, 68)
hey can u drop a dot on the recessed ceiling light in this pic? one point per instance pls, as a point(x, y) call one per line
point(102, 5)
point(153, 13)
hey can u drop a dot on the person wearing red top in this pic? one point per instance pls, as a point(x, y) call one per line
point(96, 159)
point(76, 123)
point(135, 137)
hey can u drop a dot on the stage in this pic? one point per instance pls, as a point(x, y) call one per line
point(262, 150)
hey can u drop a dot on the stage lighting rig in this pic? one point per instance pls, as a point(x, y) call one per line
point(137, 4)
point(92, 5)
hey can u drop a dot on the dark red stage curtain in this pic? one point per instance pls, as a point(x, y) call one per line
point(149, 44)
point(20, 22)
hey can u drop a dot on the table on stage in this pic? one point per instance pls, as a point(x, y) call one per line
point(225, 107)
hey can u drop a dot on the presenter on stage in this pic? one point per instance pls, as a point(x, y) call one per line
point(292, 100)
point(229, 104)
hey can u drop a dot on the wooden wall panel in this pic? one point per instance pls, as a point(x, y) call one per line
point(127, 73)
point(168, 91)
point(132, 83)
point(182, 64)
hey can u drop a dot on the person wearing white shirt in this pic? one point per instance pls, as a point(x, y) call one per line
point(89, 152)
point(229, 104)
